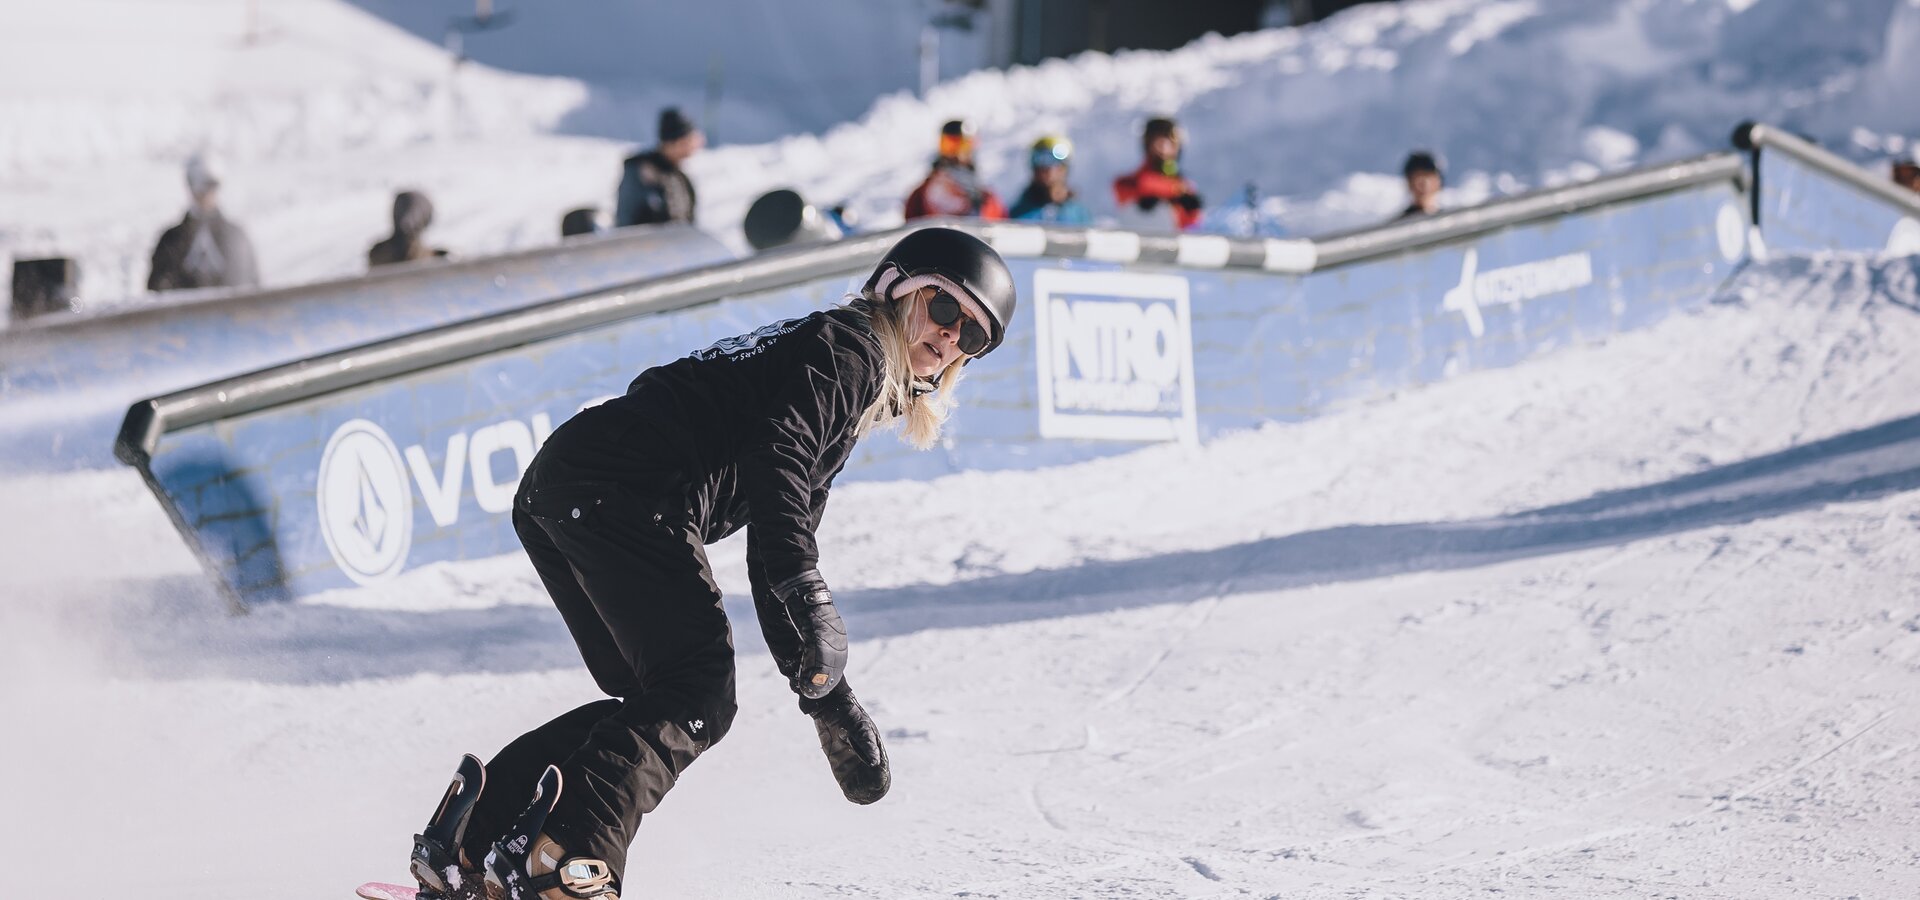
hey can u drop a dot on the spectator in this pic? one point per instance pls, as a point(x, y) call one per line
point(1156, 194)
point(585, 220)
point(1423, 184)
point(204, 250)
point(1047, 197)
point(1906, 173)
point(412, 213)
point(653, 189)
point(952, 188)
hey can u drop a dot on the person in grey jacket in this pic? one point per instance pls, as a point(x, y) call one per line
point(653, 189)
point(205, 249)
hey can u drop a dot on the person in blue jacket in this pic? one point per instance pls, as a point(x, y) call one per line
point(1047, 197)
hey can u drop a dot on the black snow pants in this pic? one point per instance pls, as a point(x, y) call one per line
point(608, 531)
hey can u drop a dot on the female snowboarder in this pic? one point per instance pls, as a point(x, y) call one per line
point(615, 510)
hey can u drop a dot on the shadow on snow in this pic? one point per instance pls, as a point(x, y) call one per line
point(323, 644)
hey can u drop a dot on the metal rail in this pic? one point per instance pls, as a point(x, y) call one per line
point(147, 420)
point(1756, 138)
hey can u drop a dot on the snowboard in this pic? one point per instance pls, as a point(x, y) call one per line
point(376, 890)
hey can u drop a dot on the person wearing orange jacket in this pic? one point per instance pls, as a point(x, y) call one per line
point(952, 188)
point(1156, 194)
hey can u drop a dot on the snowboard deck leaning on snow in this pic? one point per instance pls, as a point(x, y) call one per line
point(377, 890)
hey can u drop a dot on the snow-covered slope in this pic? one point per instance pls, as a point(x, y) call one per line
point(326, 110)
point(1577, 627)
point(1635, 619)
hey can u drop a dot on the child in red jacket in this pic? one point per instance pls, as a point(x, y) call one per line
point(1158, 181)
point(952, 188)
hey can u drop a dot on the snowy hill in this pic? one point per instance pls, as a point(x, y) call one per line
point(1578, 626)
point(1633, 619)
point(326, 110)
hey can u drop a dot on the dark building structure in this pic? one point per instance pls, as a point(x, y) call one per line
point(1044, 29)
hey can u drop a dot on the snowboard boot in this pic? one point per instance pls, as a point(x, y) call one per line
point(527, 865)
point(438, 864)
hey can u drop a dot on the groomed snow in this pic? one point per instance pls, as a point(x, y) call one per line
point(1631, 620)
point(1579, 628)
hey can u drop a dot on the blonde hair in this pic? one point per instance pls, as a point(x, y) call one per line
point(919, 418)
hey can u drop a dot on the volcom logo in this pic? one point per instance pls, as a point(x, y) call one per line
point(1513, 285)
point(694, 726)
point(366, 497)
point(366, 503)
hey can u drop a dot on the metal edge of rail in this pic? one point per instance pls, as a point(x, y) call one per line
point(147, 420)
point(1546, 203)
point(1755, 138)
point(122, 314)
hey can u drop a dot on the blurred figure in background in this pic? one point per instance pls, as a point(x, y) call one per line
point(585, 220)
point(1906, 173)
point(952, 188)
point(1047, 197)
point(1424, 180)
point(204, 250)
point(1156, 195)
point(653, 189)
point(412, 213)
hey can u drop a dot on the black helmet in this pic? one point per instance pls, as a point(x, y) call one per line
point(967, 261)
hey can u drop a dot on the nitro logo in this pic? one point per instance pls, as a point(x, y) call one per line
point(1513, 285)
point(1115, 356)
point(1119, 357)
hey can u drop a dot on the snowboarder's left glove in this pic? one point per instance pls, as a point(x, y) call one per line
point(823, 637)
point(852, 744)
point(1188, 202)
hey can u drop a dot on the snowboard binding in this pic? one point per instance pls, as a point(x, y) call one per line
point(527, 865)
point(436, 862)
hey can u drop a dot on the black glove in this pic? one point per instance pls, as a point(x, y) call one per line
point(1188, 202)
point(852, 744)
point(1148, 204)
point(823, 637)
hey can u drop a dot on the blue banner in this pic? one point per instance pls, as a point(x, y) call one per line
point(359, 485)
point(1803, 209)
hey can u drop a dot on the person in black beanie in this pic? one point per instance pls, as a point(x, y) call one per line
point(1424, 181)
point(653, 189)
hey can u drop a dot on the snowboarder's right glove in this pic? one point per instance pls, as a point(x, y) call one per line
point(823, 637)
point(1188, 202)
point(1148, 204)
point(852, 744)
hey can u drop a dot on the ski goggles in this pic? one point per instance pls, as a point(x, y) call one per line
point(1050, 152)
point(953, 146)
point(944, 309)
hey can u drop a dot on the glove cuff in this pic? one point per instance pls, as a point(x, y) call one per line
point(805, 581)
point(841, 697)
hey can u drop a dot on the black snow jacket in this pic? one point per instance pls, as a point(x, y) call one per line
point(653, 190)
point(204, 250)
point(753, 430)
point(412, 213)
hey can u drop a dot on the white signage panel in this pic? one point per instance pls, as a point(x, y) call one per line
point(1115, 356)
